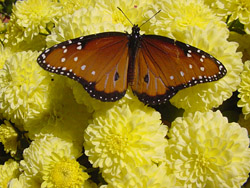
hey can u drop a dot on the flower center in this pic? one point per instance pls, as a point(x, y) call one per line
point(65, 173)
point(201, 162)
point(116, 143)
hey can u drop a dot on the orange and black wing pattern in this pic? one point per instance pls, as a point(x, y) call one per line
point(99, 62)
point(164, 66)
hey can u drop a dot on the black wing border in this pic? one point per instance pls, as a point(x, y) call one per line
point(159, 99)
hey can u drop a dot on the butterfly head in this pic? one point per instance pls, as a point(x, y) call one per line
point(136, 30)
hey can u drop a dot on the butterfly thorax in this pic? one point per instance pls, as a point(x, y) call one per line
point(133, 45)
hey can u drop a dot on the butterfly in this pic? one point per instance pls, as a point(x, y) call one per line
point(155, 67)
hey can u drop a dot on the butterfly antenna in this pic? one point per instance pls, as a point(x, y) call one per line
point(125, 15)
point(150, 18)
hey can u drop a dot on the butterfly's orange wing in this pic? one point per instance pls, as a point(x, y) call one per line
point(164, 66)
point(99, 62)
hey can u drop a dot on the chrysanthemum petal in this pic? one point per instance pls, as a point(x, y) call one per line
point(244, 90)
point(39, 153)
point(235, 9)
point(153, 176)
point(125, 136)
point(9, 170)
point(23, 87)
point(207, 151)
point(63, 172)
point(8, 137)
point(64, 117)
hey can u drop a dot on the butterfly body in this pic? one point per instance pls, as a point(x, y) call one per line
point(155, 67)
point(134, 40)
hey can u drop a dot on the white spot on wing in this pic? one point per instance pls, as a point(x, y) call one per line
point(79, 47)
point(63, 60)
point(182, 73)
point(83, 67)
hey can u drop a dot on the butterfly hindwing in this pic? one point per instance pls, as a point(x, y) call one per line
point(164, 66)
point(99, 62)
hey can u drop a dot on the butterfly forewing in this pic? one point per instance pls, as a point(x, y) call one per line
point(99, 62)
point(164, 66)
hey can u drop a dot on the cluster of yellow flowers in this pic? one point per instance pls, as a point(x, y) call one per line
point(77, 141)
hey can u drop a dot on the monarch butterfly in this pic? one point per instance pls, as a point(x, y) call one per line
point(156, 67)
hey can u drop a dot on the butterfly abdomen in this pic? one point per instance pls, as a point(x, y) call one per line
point(133, 45)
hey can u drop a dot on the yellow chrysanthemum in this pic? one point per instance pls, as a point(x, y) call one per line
point(134, 10)
point(29, 18)
point(123, 137)
point(34, 15)
point(8, 137)
point(23, 181)
point(5, 54)
point(38, 155)
point(243, 41)
point(240, 9)
point(9, 170)
point(16, 40)
point(64, 118)
point(176, 16)
point(207, 151)
point(237, 9)
point(23, 87)
point(150, 176)
point(219, 7)
point(63, 172)
point(70, 6)
point(199, 28)
point(244, 90)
